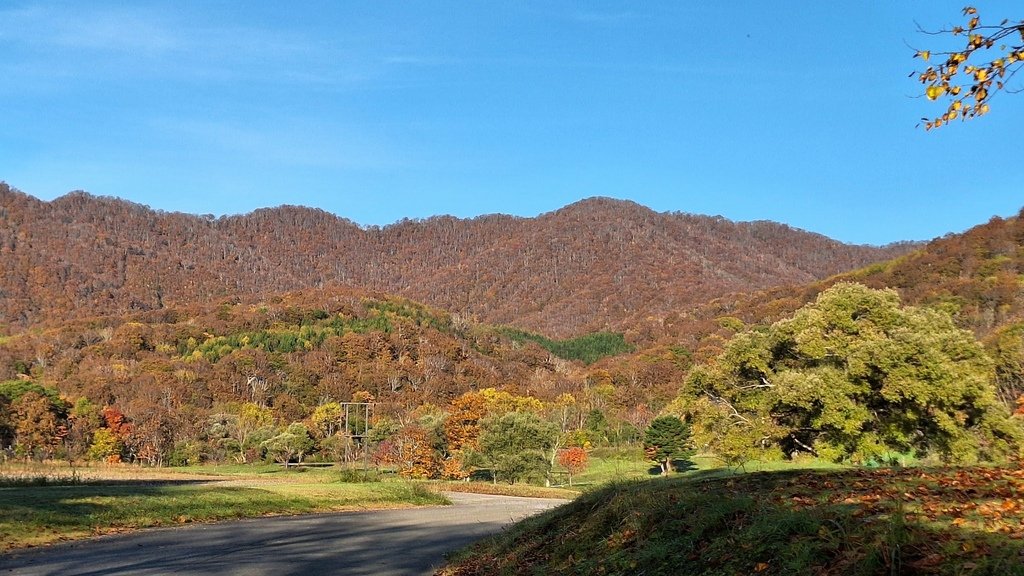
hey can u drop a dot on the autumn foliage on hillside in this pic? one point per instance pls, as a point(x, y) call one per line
point(596, 265)
point(214, 381)
point(975, 276)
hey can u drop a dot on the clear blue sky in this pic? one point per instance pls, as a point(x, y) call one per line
point(798, 112)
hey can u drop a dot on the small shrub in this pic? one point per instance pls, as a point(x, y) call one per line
point(358, 476)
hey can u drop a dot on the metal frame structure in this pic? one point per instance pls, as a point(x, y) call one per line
point(362, 433)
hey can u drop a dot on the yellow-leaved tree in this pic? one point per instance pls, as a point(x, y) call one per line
point(982, 61)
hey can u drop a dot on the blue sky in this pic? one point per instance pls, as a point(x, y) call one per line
point(799, 112)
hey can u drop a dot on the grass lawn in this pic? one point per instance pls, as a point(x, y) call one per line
point(502, 489)
point(607, 465)
point(61, 506)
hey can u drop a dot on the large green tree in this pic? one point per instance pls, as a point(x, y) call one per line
point(515, 446)
point(665, 440)
point(292, 443)
point(852, 376)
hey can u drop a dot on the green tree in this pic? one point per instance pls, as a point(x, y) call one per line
point(15, 389)
point(83, 420)
point(596, 426)
point(293, 443)
point(105, 445)
point(1006, 346)
point(515, 445)
point(852, 376)
point(251, 419)
point(184, 453)
point(665, 440)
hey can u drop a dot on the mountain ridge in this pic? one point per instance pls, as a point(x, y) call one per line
point(595, 264)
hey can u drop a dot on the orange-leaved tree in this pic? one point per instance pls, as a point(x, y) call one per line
point(411, 449)
point(38, 429)
point(574, 460)
point(462, 424)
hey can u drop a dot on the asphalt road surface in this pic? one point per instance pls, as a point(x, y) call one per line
point(381, 543)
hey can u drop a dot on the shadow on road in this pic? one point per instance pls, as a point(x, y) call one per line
point(391, 542)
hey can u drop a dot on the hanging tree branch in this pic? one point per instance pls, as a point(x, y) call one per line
point(764, 384)
point(966, 78)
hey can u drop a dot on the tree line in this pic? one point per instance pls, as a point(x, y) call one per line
point(855, 376)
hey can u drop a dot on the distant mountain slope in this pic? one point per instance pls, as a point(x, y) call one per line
point(596, 264)
point(978, 276)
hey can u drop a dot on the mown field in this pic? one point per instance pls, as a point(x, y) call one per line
point(54, 502)
point(46, 504)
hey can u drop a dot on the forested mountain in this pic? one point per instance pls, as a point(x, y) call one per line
point(596, 264)
point(977, 276)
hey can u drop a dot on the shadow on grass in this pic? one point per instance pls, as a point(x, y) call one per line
point(37, 514)
point(679, 466)
point(36, 482)
point(846, 523)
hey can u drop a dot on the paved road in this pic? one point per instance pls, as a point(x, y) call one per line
point(379, 543)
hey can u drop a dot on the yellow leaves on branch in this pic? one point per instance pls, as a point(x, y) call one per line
point(965, 86)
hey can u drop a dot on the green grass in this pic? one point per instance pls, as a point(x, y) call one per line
point(244, 470)
point(824, 522)
point(522, 490)
point(27, 480)
point(608, 465)
point(40, 514)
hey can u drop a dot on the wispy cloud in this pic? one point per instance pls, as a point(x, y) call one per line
point(127, 41)
point(119, 30)
point(293, 143)
point(412, 60)
point(604, 17)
